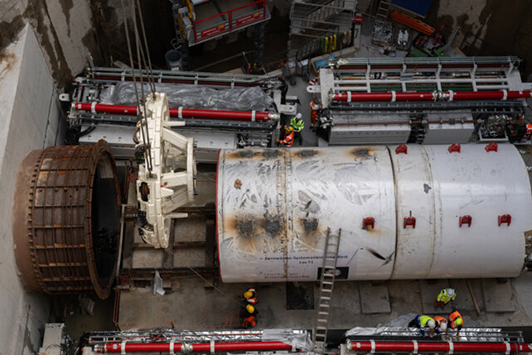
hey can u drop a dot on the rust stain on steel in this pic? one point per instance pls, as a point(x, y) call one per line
point(249, 227)
point(272, 226)
point(306, 153)
point(362, 152)
point(257, 154)
point(243, 154)
point(271, 153)
point(310, 225)
point(245, 228)
point(63, 193)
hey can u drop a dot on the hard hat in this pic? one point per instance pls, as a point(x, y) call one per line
point(443, 326)
point(450, 292)
point(431, 324)
point(250, 308)
point(299, 115)
point(290, 128)
point(459, 321)
point(248, 294)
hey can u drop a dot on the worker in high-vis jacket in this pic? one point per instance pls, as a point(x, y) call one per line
point(249, 316)
point(299, 125)
point(456, 322)
point(288, 139)
point(251, 296)
point(424, 323)
point(441, 325)
point(446, 295)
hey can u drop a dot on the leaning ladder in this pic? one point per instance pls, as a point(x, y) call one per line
point(330, 258)
point(383, 10)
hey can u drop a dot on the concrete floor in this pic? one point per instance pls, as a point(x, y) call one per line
point(193, 304)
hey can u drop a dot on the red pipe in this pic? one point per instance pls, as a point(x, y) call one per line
point(431, 96)
point(174, 112)
point(197, 347)
point(438, 347)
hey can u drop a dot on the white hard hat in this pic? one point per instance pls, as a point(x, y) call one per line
point(450, 292)
point(431, 324)
point(443, 326)
point(299, 115)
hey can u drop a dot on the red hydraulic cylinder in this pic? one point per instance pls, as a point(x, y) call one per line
point(198, 347)
point(431, 96)
point(185, 112)
point(437, 347)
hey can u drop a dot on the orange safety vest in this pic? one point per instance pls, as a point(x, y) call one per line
point(252, 299)
point(288, 139)
point(452, 317)
point(314, 116)
point(249, 322)
point(439, 320)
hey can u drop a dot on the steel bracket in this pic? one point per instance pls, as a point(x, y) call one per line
point(367, 222)
point(505, 218)
point(465, 220)
point(409, 221)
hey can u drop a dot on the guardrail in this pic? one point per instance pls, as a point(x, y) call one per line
point(228, 21)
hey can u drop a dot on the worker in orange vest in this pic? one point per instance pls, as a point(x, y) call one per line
point(441, 324)
point(314, 115)
point(288, 139)
point(249, 315)
point(455, 322)
point(251, 296)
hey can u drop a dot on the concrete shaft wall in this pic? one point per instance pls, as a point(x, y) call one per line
point(68, 31)
point(29, 117)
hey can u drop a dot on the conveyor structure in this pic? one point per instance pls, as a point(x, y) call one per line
point(359, 340)
point(219, 110)
point(421, 100)
point(401, 340)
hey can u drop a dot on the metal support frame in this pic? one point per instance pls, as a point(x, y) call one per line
point(491, 85)
point(160, 188)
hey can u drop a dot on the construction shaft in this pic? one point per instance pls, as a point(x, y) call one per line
point(181, 112)
point(124, 346)
point(431, 96)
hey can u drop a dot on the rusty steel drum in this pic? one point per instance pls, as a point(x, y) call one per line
point(66, 220)
point(421, 213)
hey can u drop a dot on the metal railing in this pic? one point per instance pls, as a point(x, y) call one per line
point(228, 21)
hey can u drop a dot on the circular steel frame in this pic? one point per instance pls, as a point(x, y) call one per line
point(66, 220)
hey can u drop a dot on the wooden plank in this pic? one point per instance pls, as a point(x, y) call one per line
point(129, 241)
point(477, 309)
point(209, 242)
point(177, 245)
point(168, 257)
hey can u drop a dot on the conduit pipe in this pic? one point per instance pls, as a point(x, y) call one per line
point(431, 96)
point(125, 347)
point(181, 112)
point(437, 347)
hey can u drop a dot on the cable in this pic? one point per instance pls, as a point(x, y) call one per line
point(147, 48)
point(145, 137)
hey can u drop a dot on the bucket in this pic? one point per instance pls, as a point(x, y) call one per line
point(173, 60)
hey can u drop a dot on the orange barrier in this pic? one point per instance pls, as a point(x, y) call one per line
point(412, 23)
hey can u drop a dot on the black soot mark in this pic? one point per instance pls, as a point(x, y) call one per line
point(245, 228)
point(271, 153)
point(310, 225)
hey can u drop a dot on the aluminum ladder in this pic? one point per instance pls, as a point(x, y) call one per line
point(383, 10)
point(328, 274)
